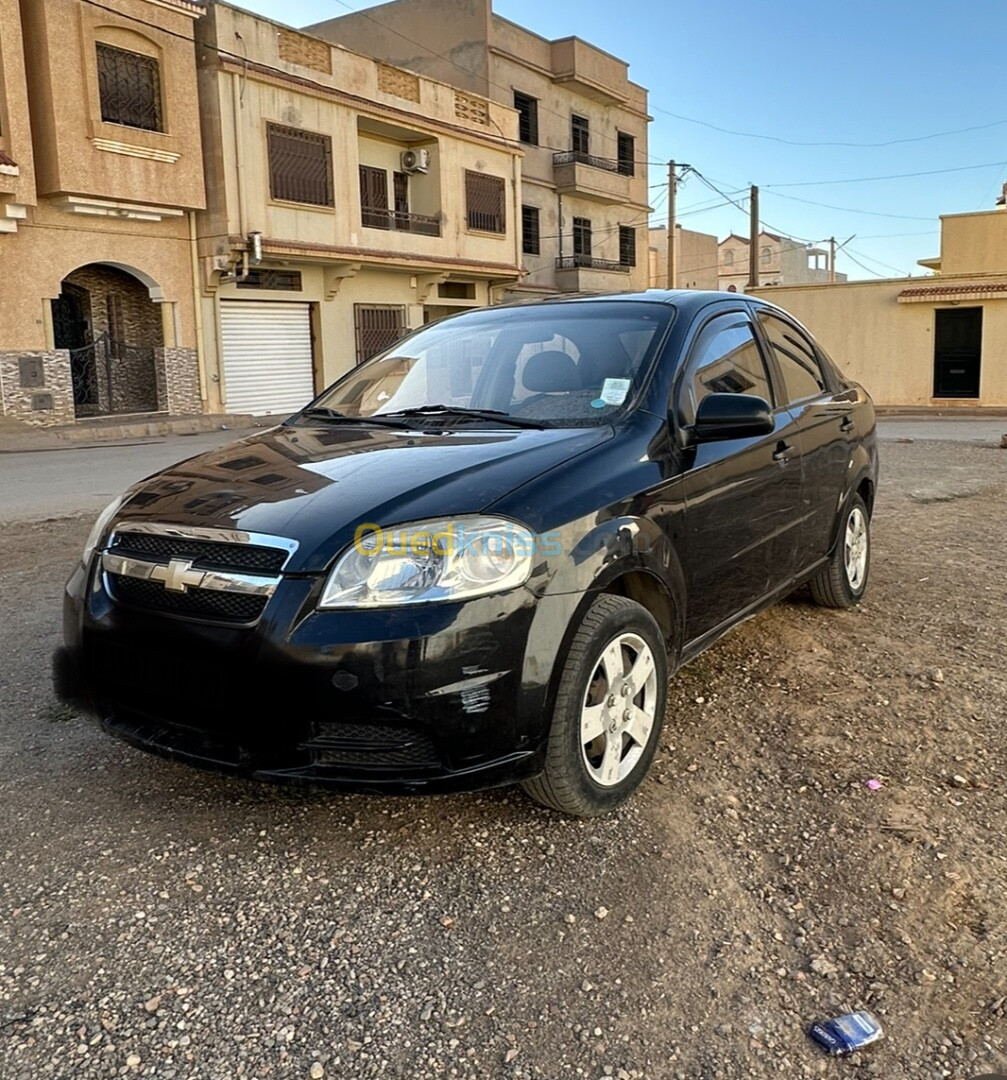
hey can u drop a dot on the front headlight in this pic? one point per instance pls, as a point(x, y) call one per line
point(94, 537)
point(429, 561)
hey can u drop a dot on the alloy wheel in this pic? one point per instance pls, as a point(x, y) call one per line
point(619, 709)
point(856, 549)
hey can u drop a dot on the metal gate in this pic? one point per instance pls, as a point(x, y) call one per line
point(112, 377)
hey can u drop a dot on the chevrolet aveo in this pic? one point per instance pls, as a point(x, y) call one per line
point(477, 557)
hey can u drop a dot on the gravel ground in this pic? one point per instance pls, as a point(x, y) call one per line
point(158, 921)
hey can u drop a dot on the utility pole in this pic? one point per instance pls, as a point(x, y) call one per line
point(672, 253)
point(753, 241)
point(832, 260)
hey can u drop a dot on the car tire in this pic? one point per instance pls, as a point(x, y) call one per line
point(606, 722)
point(842, 582)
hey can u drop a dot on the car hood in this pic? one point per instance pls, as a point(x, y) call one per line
point(316, 484)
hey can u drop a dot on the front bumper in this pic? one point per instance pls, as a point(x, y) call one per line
point(441, 698)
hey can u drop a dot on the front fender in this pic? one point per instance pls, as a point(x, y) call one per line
point(595, 555)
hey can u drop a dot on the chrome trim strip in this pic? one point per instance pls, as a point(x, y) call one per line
point(178, 576)
point(193, 532)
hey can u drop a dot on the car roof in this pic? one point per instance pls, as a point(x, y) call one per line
point(688, 301)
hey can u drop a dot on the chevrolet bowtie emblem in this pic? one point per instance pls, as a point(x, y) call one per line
point(178, 575)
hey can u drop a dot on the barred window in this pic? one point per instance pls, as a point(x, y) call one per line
point(484, 200)
point(530, 239)
point(129, 88)
point(378, 327)
point(262, 277)
point(627, 245)
point(300, 165)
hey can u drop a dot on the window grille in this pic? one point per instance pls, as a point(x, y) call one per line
point(300, 165)
point(264, 278)
point(378, 327)
point(484, 199)
point(129, 88)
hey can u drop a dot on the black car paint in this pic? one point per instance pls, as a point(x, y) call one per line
point(706, 533)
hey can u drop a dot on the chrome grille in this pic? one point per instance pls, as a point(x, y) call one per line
point(203, 554)
point(221, 575)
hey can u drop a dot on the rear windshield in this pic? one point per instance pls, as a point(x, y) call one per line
point(568, 365)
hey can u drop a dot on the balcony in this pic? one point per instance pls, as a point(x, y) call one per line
point(372, 217)
point(589, 71)
point(589, 177)
point(587, 273)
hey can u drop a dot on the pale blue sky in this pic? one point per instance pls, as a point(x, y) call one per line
point(859, 71)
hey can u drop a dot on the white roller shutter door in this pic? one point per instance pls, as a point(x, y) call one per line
point(267, 356)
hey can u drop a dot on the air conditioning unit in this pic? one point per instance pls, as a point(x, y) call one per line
point(415, 161)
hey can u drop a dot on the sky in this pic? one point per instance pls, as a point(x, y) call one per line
point(897, 82)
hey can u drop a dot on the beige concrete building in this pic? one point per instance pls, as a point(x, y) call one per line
point(938, 341)
point(582, 123)
point(348, 201)
point(698, 259)
point(782, 261)
point(100, 172)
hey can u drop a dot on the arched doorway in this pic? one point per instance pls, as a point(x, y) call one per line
point(112, 329)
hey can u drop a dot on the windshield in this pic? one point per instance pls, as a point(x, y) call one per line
point(567, 365)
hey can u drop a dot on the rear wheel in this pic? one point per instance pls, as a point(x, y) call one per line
point(609, 711)
point(843, 581)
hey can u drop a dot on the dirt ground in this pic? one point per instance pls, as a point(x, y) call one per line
point(162, 922)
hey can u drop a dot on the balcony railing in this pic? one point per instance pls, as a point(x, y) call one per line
point(373, 217)
point(575, 157)
point(589, 262)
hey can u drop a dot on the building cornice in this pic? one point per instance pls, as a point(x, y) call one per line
point(185, 7)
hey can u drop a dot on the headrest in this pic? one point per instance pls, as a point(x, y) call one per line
point(551, 372)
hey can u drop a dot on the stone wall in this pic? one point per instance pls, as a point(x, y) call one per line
point(37, 387)
point(120, 306)
point(181, 379)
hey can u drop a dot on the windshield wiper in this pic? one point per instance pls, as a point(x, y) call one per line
point(494, 415)
point(322, 412)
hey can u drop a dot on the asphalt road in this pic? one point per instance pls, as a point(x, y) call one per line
point(53, 483)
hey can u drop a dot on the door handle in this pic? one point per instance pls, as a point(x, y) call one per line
point(846, 424)
point(781, 451)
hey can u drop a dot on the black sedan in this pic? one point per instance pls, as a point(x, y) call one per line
point(476, 558)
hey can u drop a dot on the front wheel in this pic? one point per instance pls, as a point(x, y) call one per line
point(609, 711)
point(842, 582)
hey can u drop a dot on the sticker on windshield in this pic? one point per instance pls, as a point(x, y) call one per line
point(614, 391)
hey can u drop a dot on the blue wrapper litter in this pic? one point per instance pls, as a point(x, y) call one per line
point(846, 1034)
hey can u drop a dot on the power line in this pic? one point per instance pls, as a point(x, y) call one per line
point(848, 145)
point(888, 266)
point(874, 273)
point(891, 176)
point(849, 209)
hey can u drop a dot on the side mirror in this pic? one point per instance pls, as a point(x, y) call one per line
point(732, 416)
